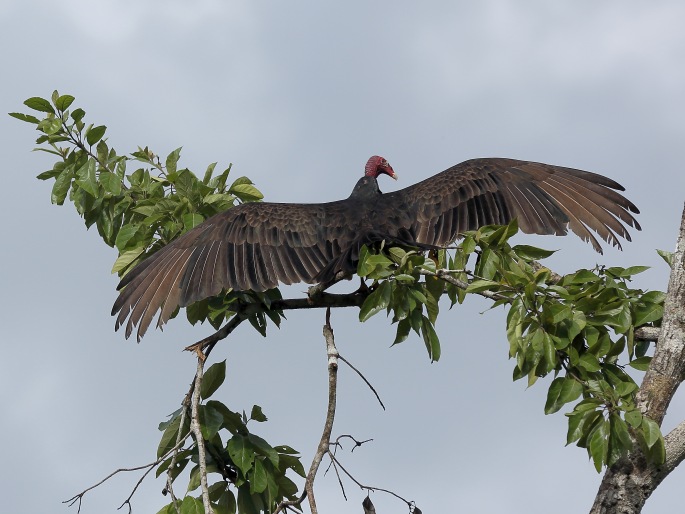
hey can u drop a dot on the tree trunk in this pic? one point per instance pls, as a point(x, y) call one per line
point(627, 485)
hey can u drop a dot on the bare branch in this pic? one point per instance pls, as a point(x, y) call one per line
point(674, 443)
point(316, 300)
point(332, 353)
point(647, 333)
point(199, 439)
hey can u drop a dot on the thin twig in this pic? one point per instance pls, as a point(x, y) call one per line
point(79, 497)
point(356, 442)
point(446, 275)
point(199, 439)
point(169, 479)
point(367, 487)
point(363, 378)
point(332, 353)
point(290, 504)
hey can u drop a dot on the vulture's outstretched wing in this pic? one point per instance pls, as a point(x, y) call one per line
point(545, 199)
point(253, 246)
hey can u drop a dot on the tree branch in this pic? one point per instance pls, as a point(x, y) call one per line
point(316, 300)
point(627, 485)
point(325, 441)
point(199, 438)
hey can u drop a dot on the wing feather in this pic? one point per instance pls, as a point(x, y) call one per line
point(253, 246)
point(545, 199)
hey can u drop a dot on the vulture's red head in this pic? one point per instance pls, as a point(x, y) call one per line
point(377, 165)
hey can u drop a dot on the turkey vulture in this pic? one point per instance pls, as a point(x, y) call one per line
point(254, 246)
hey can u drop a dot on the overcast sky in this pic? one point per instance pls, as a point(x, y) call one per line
point(297, 95)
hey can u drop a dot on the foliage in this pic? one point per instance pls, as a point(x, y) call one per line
point(245, 461)
point(575, 327)
point(579, 328)
point(141, 211)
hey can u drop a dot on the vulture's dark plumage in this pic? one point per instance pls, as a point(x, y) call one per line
point(257, 245)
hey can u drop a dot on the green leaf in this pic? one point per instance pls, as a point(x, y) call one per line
point(211, 421)
point(657, 453)
point(126, 258)
point(599, 445)
point(430, 338)
point(258, 479)
point(651, 431)
point(62, 186)
point(403, 328)
point(478, 286)
point(666, 256)
point(363, 269)
point(241, 453)
point(191, 505)
point(589, 362)
point(232, 420)
point(39, 104)
point(212, 379)
point(86, 178)
point(110, 182)
point(208, 173)
point(562, 390)
point(634, 418)
point(580, 422)
point(257, 414)
point(580, 277)
point(168, 440)
point(172, 160)
point(128, 233)
point(653, 297)
point(641, 363)
point(50, 126)
point(376, 301)
point(63, 102)
point(620, 441)
point(48, 174)
point(25, 117)
point(194, 479)
point(626, 389)
point(246, 502)
point(246, 192)
point(264, 448)
point(634, 270)
point(648, 313)
point(531, 253)
point(78, 114)
point(95, 134)
point(192, 220)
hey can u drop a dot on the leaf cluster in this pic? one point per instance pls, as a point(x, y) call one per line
point(250, 473)
point(138, 202)
point(579, 328)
